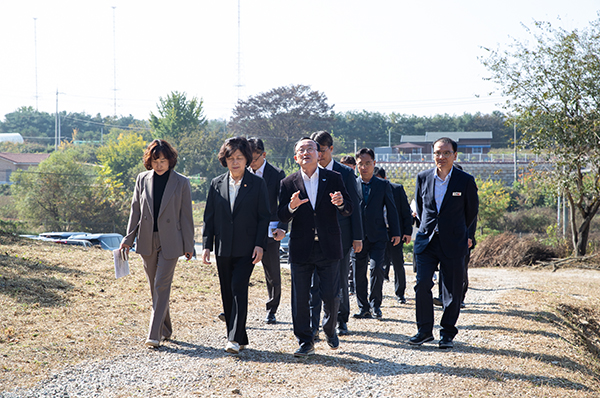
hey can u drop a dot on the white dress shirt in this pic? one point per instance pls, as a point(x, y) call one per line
point(234, 188)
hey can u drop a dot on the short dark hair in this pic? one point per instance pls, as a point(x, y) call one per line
point(446, 140)
point(379, 172)
point(309, 139)
point(256, 144)
point(157, 148)
point(322, 138)
point(233, 144)
point(365, 151)
point(348, 159)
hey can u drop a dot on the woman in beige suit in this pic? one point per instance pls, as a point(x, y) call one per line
point(161, 219)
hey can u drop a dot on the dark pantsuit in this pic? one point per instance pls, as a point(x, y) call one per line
point(159, 273)
point(329, 282)
point(271, 266)
point(234, 275)
point(395, 258)
point(451, 275)
point(376, 252)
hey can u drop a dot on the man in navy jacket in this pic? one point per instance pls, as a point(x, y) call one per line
point(375, 194)
point(447, 204)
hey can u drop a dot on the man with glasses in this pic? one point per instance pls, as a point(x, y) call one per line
point(312, 197)
point(447, 204)
point(270, 261)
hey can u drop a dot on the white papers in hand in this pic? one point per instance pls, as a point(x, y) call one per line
point(121, 264)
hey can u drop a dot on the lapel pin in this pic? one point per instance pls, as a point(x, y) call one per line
point(245, 185)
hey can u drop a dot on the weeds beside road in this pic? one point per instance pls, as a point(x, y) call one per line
point(523, 333)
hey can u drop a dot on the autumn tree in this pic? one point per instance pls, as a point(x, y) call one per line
point(554, 97)
point(280, 117)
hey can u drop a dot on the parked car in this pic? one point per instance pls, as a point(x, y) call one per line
point(105, 241)
point(284, 247)
point(58, 235)
point(74, 242)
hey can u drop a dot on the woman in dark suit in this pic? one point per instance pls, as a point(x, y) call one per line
point(161, 219)
point(236, 219)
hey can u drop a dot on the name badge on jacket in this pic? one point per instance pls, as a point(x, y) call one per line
point(456, 193)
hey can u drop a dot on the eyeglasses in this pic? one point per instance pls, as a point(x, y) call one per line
point(445, 154)
point(309, 149)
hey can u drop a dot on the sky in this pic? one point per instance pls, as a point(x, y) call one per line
point(121, 56)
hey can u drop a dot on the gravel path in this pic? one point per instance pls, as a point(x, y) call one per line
point(510, 343)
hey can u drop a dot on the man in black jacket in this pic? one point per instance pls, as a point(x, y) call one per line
point(395, 254)
point(270, 261)
point(312, 197)
point(351, 235)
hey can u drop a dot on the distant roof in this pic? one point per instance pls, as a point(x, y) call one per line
point(456, 136)
point(24, 158)
point(12, 137)
point(408, 145)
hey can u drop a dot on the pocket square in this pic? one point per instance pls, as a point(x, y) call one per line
point(456, 193)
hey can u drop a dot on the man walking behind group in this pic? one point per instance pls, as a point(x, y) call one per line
point(270, 261)
point(447, 204)
point(351, 235)
point(374, 194)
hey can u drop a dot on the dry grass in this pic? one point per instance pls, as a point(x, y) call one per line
point(523, 333)
point(61, 304)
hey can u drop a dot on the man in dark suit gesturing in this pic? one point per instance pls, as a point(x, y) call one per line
point(312, 198)
point(270, 261)
point(352, 234)
point(447, 204)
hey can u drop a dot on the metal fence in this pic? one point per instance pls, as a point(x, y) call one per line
point(462, 157)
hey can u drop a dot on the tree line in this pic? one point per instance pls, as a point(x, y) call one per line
point(551, 84)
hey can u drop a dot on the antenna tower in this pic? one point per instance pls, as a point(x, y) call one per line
point(114, 62)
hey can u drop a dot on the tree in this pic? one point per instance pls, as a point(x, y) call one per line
point(280, 117)
point(63, 193)
point(554, 97)
point(494, 200)
point(122, 160)
point(178, 116)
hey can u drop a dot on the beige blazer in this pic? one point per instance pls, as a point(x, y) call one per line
point(175, 220)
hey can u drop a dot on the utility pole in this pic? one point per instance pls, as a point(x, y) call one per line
point(239, 84)
point(515, 154)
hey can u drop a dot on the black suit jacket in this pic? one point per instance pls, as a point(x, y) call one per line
point(322, 219)
point(457, 212)
point(403, 208)
point(235, 234)
point(273, 176)
point(354, 222)
point(373, 218)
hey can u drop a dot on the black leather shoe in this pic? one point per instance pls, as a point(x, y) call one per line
point(420, 338)
point(270, 319)
point(342, 329)
point(377, 313)
point(305, 350)
point(401, 300)
point(333, 342)
point(437, 301)
point(363, 315)
point(446, 343)
point(316, 337)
